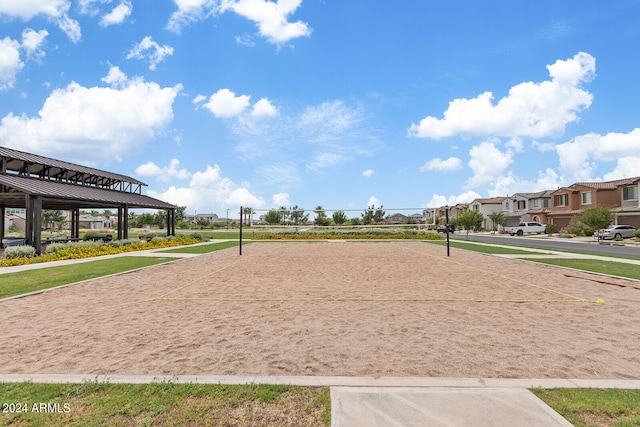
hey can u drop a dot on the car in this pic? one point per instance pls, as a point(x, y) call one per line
point(443, 228)
point(616, 232)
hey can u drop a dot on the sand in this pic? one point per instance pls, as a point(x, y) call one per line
point(331, 308)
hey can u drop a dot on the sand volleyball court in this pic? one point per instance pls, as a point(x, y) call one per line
point(331, 308)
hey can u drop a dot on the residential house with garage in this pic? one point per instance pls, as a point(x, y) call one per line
point(486, 207)
point(620, 195)
point(525, 207)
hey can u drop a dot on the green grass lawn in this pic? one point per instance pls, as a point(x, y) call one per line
point(49, 277)
point(484, 248)
point(201, 249)
point(594, 407)
point(97, 403)
point(631, 271)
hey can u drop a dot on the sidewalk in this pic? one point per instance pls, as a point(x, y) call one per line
point(397, 401)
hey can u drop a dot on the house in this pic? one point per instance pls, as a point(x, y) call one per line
point(91, 222)
point(454, 211)
point(397, 218)
point(571, 200)
point(486, 207)
point(193, 219)
point(629, 211)
point(527, 207)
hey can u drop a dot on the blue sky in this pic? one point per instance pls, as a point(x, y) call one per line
point(415, 103)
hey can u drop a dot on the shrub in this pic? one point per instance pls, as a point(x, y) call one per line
point(24, 251)
point(637, 234)
point(588, 231)
point(550, 228)
point(123, 242)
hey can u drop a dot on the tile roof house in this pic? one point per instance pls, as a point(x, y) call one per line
point(621, 195)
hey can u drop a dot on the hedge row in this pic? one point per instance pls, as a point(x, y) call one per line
point(342, 235)
point(22, 255)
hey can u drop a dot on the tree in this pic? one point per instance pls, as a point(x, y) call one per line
point(339, 217)
point(498, 219)
point(180, 212)
point(597, 217)
point(273, 217)
point(248, 215)
point(203, 223)
point(321, 217)
point(51, 219)
point(469, 220)
point(298, 216)
point(284, 214)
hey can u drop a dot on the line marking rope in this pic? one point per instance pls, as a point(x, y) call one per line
point(579, 299)
point(165, 296)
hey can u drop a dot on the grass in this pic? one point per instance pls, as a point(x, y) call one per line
point(594, 407)
point(96, 403)
point(631, 271)
point(484, 248)
point(44, 278)
point(201, 249)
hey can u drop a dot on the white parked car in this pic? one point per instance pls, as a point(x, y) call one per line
point(525, 227)
point(616, 232)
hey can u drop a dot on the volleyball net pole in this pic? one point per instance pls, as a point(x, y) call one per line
point(241, 221)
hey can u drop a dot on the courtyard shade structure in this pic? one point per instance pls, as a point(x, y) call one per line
point(35, 182)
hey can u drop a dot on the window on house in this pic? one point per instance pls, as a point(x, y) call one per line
point(586, 198)
point(545, 203)
point(630, 193)
point(507, 204)
point(535, 203)
point(561, 200)
point(521, 204)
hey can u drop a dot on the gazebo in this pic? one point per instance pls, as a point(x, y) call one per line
point(35, 183)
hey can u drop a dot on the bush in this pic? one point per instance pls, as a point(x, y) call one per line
point(24, 251)
point(550, 228)
point(588, 231)
point(637, 234)
point(123, 242)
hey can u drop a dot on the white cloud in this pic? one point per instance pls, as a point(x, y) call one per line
point(225, 103)
point(209, 191)
point(93, 124)
point(54, 10)
point(334, 116)
point(368, 173)
point(190, 11)
point(264, 108)
point(32, 42)
point(198, 99)
point(163, 173)
point(118, 14)
point(437, 164)
point(27, 9)
point(280, 199)
point(270, 17)
point(150, 51)
point(10, 63)
point(438, 200)
point(579, 157)
point(487, 163)
point(626, 167)
point(530, 109)
point(115, 77)
point(373, 201)
point(242, 197)
point(327, 159)
point(70, 27)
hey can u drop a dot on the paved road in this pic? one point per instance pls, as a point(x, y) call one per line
point(590, 247)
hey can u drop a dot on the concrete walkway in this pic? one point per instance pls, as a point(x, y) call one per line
point(396, 401)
